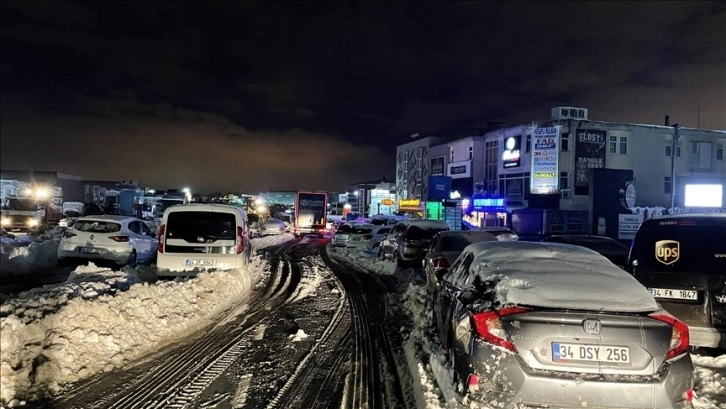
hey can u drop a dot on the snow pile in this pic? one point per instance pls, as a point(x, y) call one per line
point(364, 259)
point(298, 336)
point(269, 241)
point(32, 258)
point(709, 379)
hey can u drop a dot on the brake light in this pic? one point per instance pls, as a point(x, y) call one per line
point(688, 395)
point(68, 235)
point(680, 338)
point(120, 239)
point(489, 327)
point(160, 246)
point(240, 240)
point(440, 262)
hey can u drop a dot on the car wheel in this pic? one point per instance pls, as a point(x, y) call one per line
point(381, 254)
point(456, 379)
point(132, 261)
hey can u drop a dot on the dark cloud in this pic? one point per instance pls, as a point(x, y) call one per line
point(355, 75)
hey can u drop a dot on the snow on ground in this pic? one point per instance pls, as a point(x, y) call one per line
point(100, 319)
point(428, 362)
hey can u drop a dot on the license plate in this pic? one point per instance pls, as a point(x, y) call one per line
point(564, 352)
point(195, 262)
point(674, 294)
point(90, 250)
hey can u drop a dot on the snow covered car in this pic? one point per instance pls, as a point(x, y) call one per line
point(408, 241)
point(556, 325)
point(377, 236)
point(195, 237)
point(502, 233)
point(360, 235)
point(124, 240)
point(446, 247)
point(272, 227)
point(341, 235)
point(616, 252)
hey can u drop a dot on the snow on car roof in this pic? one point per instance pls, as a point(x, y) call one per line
point(554, 275)
point(427, 224)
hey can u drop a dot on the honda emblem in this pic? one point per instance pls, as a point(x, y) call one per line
point(592, 327)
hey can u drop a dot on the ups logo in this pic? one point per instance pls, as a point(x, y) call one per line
point(667, 251)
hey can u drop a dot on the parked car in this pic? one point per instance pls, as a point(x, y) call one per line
point(446, 247)
point(612, 249)
point(272, 227)
point(408, 241)
point(341, 235)
point(359, 236)
point(377, 235)
point(556, 325)
point(681, 259)
point(193, 237)
point(502, 233)
point(124, 240)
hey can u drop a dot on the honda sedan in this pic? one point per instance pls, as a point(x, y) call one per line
point(555, 325)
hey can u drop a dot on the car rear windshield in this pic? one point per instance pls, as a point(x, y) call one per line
point(687, 247)
point(344, 228)
point(192, 225)
point(417, 233)
point(362, 230)
point(94, 226)
point(457, 242)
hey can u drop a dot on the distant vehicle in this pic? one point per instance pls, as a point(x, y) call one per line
point(341, 235)
point(386, 220)
point(446, 247)
point(272, 227)
point(311, 210)
point(360, 235)
point(124, 240)
point(616, 252)
point(194, 237)
point(21, 213)
point(502, 233)
point(408, 241)
point(71, 212)
point(554, 325)
point(681, 259)
point(377, 235)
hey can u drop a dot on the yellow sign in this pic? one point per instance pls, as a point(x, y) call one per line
point(387, 202)
point(410, 203)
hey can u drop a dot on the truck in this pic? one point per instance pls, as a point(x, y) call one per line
point(20, 213)
point(71, 212)
point(311, 210)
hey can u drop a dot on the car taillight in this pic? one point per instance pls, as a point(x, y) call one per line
point(160, 246)
point(680, 338)
point(489, 327)
point(440, 262)
point(68, 235)
point(120, 239)
point(240, 240)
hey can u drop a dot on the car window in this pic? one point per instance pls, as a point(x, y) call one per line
point(362, 230)
point(458, 273)
point(191, 225)
point(134, 227)
point(145, 229)
point(457, 242)
point(680, 248)
point(95, 226)
point(417, 233)
point(344, 228)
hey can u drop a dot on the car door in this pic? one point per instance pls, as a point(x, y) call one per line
point(137, 239)
point(447, 291)
point(151, 240)
point(388, 245)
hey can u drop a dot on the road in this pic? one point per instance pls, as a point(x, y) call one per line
point(339, 347)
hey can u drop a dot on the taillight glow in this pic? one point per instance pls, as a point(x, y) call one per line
point(473, 383)
point(688, 395)
point(160, 246)
point(489, 327)
point(240, 240)
point(680, 337)
point(440, 262)
point(120, 239)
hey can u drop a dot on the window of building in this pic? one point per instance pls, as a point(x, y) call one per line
point(668, 150)
point(667, 185)
point(565, 141)
point(491, 164)
point(613, 145)
point(669, 147)
point(719, 152)
point(563, 112)
point(452, 155)
point(528, 144)
point(623, 145)
point(618, 145)
point(678, 150)
point(564, 183)
point(471, 152)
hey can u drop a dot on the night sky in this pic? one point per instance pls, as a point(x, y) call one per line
point(282, 96)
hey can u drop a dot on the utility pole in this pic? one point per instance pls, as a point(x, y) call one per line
point(676, 136)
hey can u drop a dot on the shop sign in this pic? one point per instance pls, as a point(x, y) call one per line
point(545, 166)
point(387, 202)
point(459, 170)
point(589, 154)
point(628, 224)
point(437, 166)
point(409, 203)
point(511, 153)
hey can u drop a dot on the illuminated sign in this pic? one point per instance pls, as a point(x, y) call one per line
point(545, 166)
point(387, 202)
point(511, 153)
point(460, 170)
point(488, 202)
point(409, 203)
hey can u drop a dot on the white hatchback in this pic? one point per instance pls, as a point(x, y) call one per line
point(195, 237)
point(124, 240)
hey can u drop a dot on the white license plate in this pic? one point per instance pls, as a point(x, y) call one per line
point(564, 352)
point(674, 294)
point(90, 250)
point(196, 262)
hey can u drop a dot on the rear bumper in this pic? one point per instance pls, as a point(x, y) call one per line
point(706, 337)
point(118, 255)
point(184, 264)
point(514, 385)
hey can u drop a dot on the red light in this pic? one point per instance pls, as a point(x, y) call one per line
point(440, 262)
point(680, 338)
point(489, 327)
point(120, 239)
point(68, 234)
point(240, 240)
point(160, 246)
point(473, 382)
point(688, 395)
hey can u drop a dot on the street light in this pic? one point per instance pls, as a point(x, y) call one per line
point(676, 136)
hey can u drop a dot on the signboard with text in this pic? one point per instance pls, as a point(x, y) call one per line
point(512, 152)
point(437, 166)
point(439, 187)
point(589, 154)
point(628, 224)
point(545, 166)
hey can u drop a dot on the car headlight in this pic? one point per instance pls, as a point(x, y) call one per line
point(6, 221)
point(33, 222)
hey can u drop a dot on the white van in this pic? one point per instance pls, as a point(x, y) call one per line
point(194, 237)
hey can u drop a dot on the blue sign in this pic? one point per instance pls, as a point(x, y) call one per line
point(488, 203)
point(439, 188)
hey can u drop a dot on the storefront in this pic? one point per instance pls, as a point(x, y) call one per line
point(412, 208)
point(486, 212)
